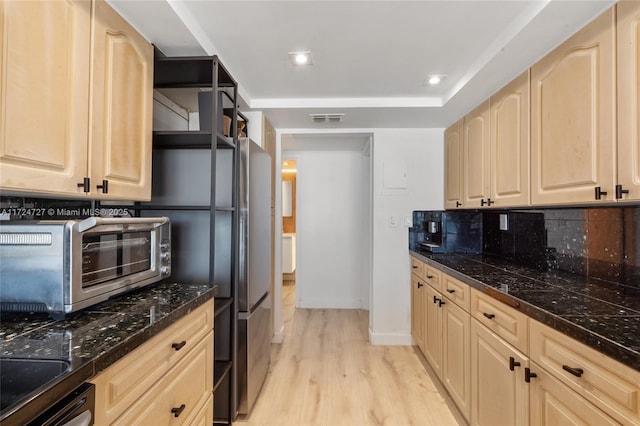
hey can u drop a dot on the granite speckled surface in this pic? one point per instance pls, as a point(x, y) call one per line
point(94, 338)
point(598, 313)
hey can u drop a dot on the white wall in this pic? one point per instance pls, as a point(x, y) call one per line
point(329, 214)
point(421, 153)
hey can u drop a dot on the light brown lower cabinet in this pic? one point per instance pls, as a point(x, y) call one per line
point(167, 380)
point(500, 395)
point(554, 404)
point(433, 330)
point(456, 355)
point(502, 368)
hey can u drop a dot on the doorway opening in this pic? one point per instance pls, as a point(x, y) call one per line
point(289, 174)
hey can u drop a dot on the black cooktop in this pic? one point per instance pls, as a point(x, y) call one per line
point(20, 377)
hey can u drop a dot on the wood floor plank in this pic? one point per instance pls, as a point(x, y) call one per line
point(326, 373)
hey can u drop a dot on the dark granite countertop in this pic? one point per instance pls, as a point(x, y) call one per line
point(600, 314)
point(93, 339)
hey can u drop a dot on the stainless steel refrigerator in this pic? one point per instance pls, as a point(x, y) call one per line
point(253, 353)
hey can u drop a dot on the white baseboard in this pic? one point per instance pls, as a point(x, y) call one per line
point(329, 303)
point(278, 336)
point(389, 339)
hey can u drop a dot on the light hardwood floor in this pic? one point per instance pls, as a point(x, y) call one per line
point(326, 373)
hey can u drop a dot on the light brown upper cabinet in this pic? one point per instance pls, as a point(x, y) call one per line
point(44, 92)
point(121, 102)
point(75, 102)
point(476, 145)
point(493, 166)
point(628, 96)
point(453, 167)
point(573, 118)
point(509, 153)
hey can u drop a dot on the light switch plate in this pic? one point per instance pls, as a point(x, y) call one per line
point(393, 221)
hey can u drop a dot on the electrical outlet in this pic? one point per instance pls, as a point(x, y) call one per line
point(407, 221)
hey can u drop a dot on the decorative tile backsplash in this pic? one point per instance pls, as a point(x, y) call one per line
point(600, 242)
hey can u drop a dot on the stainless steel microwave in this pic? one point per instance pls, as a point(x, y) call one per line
point(62, 266)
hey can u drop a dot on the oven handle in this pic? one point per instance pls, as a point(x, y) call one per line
point(84, 419)
point(92, 222)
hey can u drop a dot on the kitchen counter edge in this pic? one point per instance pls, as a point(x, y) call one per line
point(600, 343)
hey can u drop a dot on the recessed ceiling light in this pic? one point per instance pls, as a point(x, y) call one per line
point(300, 58)
point(434, 79)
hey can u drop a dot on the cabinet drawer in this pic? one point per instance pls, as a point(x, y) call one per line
point(608, 384)
point(182, 392)
point(553, 402)
point(503, 320)
point(124, 382)
point(433, 277)
point(417, 267)
point(456, 291)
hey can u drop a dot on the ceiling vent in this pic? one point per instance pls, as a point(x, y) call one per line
point(326, 118)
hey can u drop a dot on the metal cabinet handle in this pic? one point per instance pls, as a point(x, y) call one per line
point(85, 184)
point(414, 266)
point(458, 204)
point(620, 191)
point(178, 346)
point(578, 372)
point(440, 302)
point(419, 284)
point(513, 363)
point(104, 187)
point(528, 375)
point(599, 193)
point(176, 411)
point(490, 316)
point(435, 299)
point(430, 276)
point(451, 290)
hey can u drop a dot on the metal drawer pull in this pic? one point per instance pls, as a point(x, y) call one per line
point(435, 299)
point(414, 266)
point(177, 411)
point(451, 290)
point(578, 372)
point(513, 363)
point(490, 316)
point(178, 346)
point(440, 303)
point(419, 284)
point(429, 276)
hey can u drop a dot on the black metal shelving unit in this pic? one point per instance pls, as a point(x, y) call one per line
point(195, 185)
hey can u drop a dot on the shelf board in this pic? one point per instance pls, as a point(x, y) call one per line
point(220, 304)
point(188, 139)
point(220, 370)
point(225, 209)
point(168, 207)
point(189, 71)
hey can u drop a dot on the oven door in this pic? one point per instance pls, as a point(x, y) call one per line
point(110, 255)
point(75, 409)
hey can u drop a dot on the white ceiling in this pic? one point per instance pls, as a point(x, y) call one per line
point(370, 58)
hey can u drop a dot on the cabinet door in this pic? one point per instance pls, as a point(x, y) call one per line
point(433, 329)
point(417, 310)
point(510, 144)
point(628, 96)
point(476, 157)
point(500, 396)
point(572, 118)
point(453, 168)
point(122, 101)
point(554, 404)
point(44, 92)
point(456, 356)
